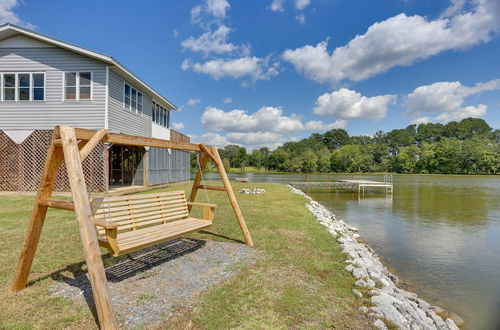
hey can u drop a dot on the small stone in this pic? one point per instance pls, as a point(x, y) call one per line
point(349, 268)
point(370, 284)
point(363, 310)
point(451, 325)
point(360, 283)
point(379, 324)
point(357, 293)
point(359, 273)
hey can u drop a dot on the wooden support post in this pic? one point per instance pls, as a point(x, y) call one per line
point(52, 163)
point(88, 234)
point(232, 197)
point(92, 143)
point(197, 179)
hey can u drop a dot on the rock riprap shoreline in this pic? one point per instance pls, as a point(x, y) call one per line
point(401, 307)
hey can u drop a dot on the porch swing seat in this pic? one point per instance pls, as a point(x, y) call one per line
point(128, 223)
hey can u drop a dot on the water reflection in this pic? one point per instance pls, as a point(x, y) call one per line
point(441, 234)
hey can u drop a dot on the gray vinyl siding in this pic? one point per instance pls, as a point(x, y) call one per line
point(25, 115)
point(167, 166)
point(122, 120)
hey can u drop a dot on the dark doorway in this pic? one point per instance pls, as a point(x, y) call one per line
point(125, 166)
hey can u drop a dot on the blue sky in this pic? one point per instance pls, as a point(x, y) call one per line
point(263, 72)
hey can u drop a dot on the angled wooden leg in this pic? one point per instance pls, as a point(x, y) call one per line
point(88, 234)
point(232, 197)
point(52, 163)
point(197, 179)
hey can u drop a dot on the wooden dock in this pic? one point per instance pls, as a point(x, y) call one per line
point(352, 185)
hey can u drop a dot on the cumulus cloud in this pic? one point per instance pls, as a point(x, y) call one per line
point(267, 126)
point(212, 139)
point(398, 41)
point(196, 14)
point(348, 104)
point(7, 14)
point(249, 66)
point(227, 100)
point(446, 101)
point(177, 126)
point(214, 42)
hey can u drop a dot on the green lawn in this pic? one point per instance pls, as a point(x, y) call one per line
point(299, 282)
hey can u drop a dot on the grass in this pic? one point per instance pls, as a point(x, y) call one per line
point(299, 282)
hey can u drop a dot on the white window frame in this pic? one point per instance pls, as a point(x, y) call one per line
point(129, 107)
point(16, 87)
point(77, 87)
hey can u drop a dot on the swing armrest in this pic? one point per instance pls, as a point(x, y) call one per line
point(208, 209)
point(105, 224)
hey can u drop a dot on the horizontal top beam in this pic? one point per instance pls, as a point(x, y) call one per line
point(132, 140)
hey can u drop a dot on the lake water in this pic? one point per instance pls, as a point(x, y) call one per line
point(439, 234)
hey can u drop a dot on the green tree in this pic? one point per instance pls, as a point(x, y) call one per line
point(336, 138)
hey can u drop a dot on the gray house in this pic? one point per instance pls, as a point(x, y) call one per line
point(47, 82)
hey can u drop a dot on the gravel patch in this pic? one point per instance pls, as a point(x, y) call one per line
point(148, 286)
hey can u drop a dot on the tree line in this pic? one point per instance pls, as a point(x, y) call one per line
point(470, 146)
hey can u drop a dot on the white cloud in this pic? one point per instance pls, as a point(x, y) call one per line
point(218, 8)
point(348, 104)
point(249, 66)
point(196, 14)
point(446, 100)
point(268, 119)
point(227, 100)
point(318, 125)
point(421, 120)
point(193, 101)
point(301, 4)
point(214, 42)
point(175, 33)
point(398, 41)
point(212, 139)
point(267, 126)
point(277, 5)
point(177, 126)
point(7, 14)
point(301, 18)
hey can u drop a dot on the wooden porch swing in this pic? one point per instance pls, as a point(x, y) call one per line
point(120, 224)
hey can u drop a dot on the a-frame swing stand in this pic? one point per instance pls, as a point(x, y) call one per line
point(72, 145)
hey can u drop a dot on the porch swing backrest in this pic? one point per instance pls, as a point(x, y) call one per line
point(128, 223)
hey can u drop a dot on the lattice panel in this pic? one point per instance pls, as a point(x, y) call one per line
point(21, 165)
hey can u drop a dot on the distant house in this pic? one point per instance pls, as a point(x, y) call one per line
point(47, 82)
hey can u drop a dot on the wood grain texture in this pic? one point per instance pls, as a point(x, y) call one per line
point(88, 235)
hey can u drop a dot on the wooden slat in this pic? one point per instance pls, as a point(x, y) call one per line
point(137, 216)
point(157, 231)
point(104, 209)
point(57, 204)
point(138, 211)
point(143, 196)
point(218, 188)
point(158, 218)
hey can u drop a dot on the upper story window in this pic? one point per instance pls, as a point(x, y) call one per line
point(77, 86)
point(160, 115)
point(132, 99)
point(25, 86)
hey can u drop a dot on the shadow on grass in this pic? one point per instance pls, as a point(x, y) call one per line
point(124, 267)
point(222, 236)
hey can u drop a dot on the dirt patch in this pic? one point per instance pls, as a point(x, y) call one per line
point(147, 287)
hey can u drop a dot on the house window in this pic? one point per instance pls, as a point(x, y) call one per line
point(161, 116)
point(132, 99)
point(78, 85)
point(24, 86)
